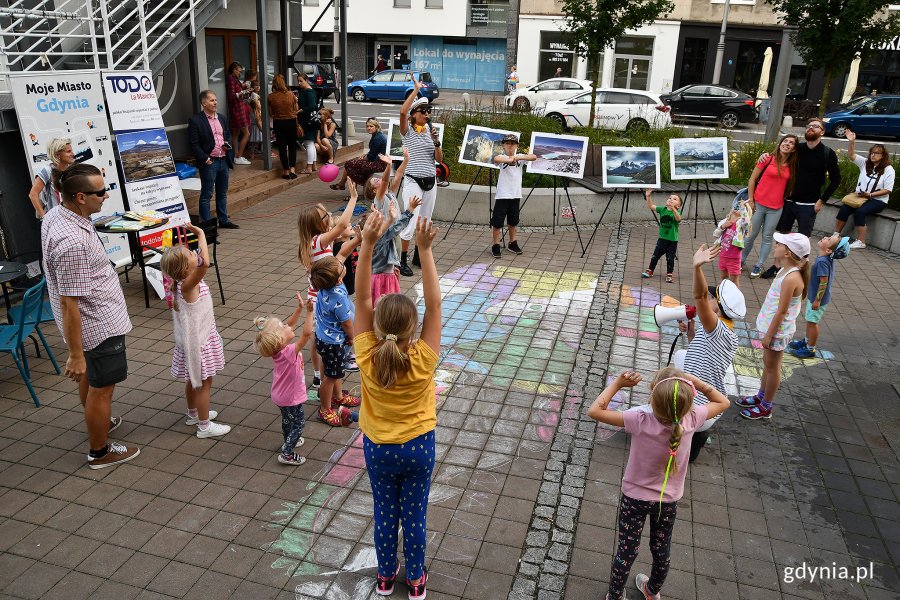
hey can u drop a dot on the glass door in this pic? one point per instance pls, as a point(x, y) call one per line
point(224, 46)
point(632, 73)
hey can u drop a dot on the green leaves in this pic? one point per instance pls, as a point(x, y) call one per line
point(596, 24)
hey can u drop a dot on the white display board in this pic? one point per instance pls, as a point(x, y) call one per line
point(70, 104)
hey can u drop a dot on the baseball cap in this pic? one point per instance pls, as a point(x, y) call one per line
point(842, 249)
point(730, 298)
point(510, 138)
point(796, 243)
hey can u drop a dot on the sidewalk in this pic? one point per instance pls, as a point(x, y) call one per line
point(524, 495)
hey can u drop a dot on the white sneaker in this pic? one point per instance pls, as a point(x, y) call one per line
point(300, 442)
point(640, 581)
point(240, 160)
point(291, 459)
point(214, 430)
point(858, 245)
point(194, 420)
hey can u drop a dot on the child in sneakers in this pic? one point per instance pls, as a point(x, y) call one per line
point(318, 230)
point(199, 353)
point(398, 416)
point(385, 256)
point(509, 193)
point(777, 319)
point(831, 248)
point(729, 255)
point(334, 331)
point(669, 218)
point(657, 465)
point(274, 341)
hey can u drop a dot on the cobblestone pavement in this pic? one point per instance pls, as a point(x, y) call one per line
point(526, 487)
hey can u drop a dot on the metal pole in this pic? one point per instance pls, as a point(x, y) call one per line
point(341, 85)
point(779, 88)
point(143, 24)
point(286, 36)
point(262, 64)
point(720, 48)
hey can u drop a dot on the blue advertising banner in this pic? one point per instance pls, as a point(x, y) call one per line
point(480, 66)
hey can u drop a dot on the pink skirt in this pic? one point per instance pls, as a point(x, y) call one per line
point(384, 283)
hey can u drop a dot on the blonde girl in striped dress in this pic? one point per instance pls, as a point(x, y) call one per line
point(199, 353)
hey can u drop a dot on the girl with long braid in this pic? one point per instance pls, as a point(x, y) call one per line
point(654, 476)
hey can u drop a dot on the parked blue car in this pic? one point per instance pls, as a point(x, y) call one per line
point(392, 85)
point(872, 115)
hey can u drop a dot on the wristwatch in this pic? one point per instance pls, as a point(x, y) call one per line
point(437, 144)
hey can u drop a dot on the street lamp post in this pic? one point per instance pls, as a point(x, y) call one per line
point(720, 48)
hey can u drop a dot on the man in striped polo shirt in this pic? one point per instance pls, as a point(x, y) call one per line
point(88, 306)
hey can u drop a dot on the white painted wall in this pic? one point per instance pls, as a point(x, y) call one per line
point(380, 17)
point(241, 14)
point(662, 68)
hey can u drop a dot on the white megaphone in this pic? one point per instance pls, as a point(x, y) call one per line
point(667, 314)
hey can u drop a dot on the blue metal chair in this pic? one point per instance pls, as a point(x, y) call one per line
point(12, 337)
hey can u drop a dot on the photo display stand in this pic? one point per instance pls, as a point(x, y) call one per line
point(626, 199)
point(695, 188)
point(557, 203)
point(466, 197)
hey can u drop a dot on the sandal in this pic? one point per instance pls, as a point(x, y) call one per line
point(670, 278)
point(332, 417)
point(347, 400)
point(747, 401)
point(337, 186)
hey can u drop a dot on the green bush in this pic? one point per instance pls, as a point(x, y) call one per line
point(498, 116)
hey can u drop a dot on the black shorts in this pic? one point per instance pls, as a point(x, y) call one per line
point(106, 364)
point(505, 208)
point(332, 359)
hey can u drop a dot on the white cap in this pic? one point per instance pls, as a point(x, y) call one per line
point(417, 103)
point(731, 300)
point(796, 243)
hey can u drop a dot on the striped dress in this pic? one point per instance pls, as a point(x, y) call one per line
point(199, 353)
point(318, 253)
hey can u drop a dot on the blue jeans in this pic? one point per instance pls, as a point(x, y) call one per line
point(215, 174)
point(400, 475)
point(765, 220)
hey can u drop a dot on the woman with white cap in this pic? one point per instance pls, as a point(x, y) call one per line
point(712, 345)
point(421, 141)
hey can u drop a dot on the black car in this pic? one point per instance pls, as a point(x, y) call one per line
point(321, 78)
point(727, 106)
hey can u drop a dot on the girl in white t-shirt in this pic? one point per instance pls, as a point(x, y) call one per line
point(509, 194)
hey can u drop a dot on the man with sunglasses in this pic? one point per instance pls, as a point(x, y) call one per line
point(815, 161)
point(88, 306)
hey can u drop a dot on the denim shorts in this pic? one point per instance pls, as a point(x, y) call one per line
point(814, 316)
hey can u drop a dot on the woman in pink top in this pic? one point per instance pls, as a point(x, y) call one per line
point(654, 476)
point(770, 183)
point(288, 386)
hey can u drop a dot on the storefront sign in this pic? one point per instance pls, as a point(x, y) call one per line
point(480, 66)
point(894, 44)
point(488, 15)
point(69, 104)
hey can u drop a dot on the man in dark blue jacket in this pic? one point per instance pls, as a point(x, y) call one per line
point(211, 144)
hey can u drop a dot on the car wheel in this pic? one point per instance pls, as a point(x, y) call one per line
point(637, 125)
point(559, 119)
point(522, 103)
point(839, 130)
point(359, 94)
point(729, 119)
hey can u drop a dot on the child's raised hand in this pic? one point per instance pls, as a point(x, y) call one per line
point(386, 159)
point(375, 227)
point(394, 211)
point(627, 379)
point(414, 203)
point(425, 233)
point(195, 230)
point(353, 192)
point(303, 302)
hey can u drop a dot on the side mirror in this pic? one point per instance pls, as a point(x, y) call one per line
point(676, 97)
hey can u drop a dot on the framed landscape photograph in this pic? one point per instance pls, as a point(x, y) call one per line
point(481, 144)
point(625, 167)
point(562, 155)
point(698, 158)
point(395, 142)
point(145, 154)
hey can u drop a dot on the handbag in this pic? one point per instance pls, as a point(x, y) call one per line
point(854, 200)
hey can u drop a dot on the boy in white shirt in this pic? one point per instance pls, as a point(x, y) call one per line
point(509, 193)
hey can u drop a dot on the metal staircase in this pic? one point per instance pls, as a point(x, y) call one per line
point(105, 34)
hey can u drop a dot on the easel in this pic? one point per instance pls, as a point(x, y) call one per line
point(626, 199)
point(696, 190)
point(463, 203)
point(565, 187)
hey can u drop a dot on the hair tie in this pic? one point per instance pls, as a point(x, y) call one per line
point(391, 337)
point(260, 323)
point(673, 452)
point(681, 379)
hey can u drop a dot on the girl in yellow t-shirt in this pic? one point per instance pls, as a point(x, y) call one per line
point(398, 413)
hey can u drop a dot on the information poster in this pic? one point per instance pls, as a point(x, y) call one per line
point(478, 66)
point(149, 170)
point(69, 104)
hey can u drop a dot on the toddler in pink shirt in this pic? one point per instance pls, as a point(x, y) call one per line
point(654, 476)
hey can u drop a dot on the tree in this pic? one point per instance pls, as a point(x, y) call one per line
point(596, 24)
point(831, 32)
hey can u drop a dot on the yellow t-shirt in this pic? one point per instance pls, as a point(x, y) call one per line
point(404, 411)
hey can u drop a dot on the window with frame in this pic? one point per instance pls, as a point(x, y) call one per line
point(547, 87)
point(434, 3)
point(556, 52)
point(693, 60)
point(586, 99)
point(617, 98)
point(382, 77)
point(402, 3)
point(570, 85)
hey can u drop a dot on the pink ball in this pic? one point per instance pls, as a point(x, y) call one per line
point(329, 172)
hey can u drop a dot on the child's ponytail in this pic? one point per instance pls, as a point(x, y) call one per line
point(671, 399)
point(389, 361)
point(174, 266)
point(394, 322)
point(805, 274)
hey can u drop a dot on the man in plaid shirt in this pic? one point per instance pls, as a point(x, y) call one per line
point(88, 306)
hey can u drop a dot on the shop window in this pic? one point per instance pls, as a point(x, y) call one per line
point(434, 3)
point(556, 52)
point(693, 61)
point(632, 65)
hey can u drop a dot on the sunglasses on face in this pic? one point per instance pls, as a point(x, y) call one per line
point(424, 111)
point(98, 193)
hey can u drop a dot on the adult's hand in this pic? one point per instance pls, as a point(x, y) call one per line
point(76, 367)
point(850, 135)
point(820, 204)
point(705, 255)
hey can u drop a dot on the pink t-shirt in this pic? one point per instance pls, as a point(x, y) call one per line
point(288, 385)
point(729, 250)
point(772, 185)
point(646, 466)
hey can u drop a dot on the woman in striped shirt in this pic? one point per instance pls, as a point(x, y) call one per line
point(421, 141)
